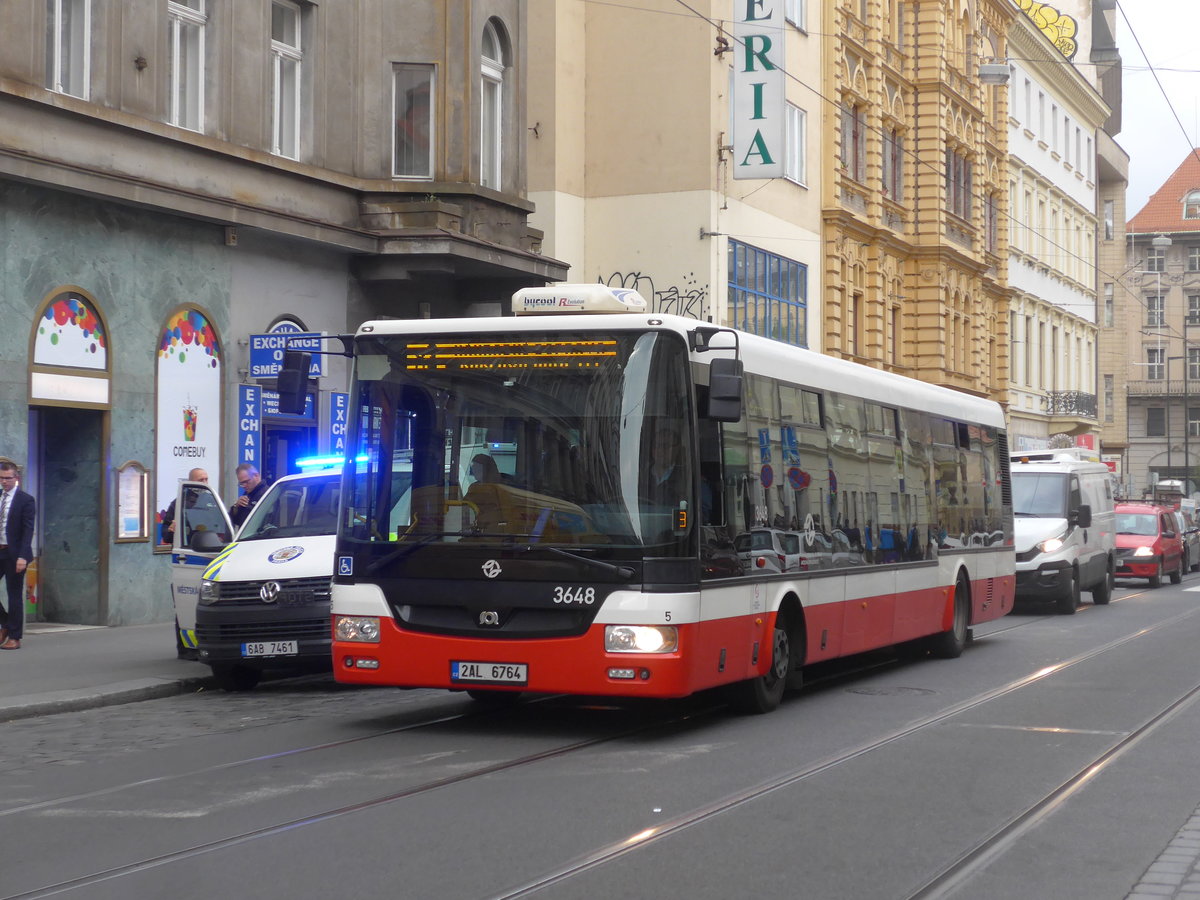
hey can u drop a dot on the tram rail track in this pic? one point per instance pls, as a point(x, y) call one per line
point(940, 884)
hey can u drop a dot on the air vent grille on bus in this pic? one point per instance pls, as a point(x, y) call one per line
point(1005, 477)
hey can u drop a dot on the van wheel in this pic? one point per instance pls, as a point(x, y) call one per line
point(1177, 575)
point(1069, 601)
point(1102, 590)
point(237, 679)
point(1156, 578)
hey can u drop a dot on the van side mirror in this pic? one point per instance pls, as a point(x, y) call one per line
point(292, 383)
point(725, 389)
point(1082, 516)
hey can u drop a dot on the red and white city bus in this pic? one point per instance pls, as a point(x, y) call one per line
point(568, 500)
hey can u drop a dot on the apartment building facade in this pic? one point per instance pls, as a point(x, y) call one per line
point(181, 183)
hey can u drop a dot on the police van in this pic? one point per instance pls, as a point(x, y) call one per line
point(257, 599)
point(1064, 527)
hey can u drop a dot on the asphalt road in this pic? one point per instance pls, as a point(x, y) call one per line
point(1055, 759)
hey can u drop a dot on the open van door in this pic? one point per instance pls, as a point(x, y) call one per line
point(202, 530)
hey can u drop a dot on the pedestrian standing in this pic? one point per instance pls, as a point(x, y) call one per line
point(168, 519)
point(16, 552)
point(252, 483)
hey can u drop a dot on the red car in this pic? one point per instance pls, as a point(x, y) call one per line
point(1148, 543)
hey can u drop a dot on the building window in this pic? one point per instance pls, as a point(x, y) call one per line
point(991, 215)
point(1155, 315)
point(893, 165)
point(1156, 259)
point(1110, 395)
point(958, 183)
point(1156, 363)
point(1191, 205)
point(853, 152)
point(1193, 259)
point(412, 90)
point(796, 12)
point(69, 47)
point(797, 124)
point(491, 98)
point(1156, 421)
point(1109, 219)
point(286, 57)
point(185, 62)
point(1193, 309)
point(1108, 304)
point(768, 294)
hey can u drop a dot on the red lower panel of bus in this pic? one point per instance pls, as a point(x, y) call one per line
point(712, 653)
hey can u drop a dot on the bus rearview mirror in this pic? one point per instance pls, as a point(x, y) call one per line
point(725, 389)
point(292, 383)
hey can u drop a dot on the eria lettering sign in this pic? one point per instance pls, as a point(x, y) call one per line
point(759, 104)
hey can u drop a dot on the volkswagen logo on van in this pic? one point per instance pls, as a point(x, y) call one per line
point(269, 592)
point(491, 568)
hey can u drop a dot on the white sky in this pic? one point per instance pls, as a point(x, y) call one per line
point(1168, 31)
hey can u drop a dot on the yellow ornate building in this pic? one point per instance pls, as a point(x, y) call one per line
point(915, 200)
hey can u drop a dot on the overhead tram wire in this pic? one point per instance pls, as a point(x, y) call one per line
point(910, 154)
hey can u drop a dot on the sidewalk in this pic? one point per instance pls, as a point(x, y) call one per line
point(60, 668)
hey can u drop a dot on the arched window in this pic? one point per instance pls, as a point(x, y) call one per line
point(1191, 205)
point(493, 63)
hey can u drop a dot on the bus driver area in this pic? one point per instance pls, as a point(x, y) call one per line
point(552, 502)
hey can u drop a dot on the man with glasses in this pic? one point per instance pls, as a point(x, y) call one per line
point(16, 552)
point(251, 482)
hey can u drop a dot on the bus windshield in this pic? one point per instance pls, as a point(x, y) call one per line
point(581, 442)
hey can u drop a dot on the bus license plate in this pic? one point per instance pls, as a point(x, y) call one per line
point(488, 672)
point(270, 648)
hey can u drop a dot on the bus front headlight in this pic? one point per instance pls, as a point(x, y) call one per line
point(363, 629)
point(641, 638)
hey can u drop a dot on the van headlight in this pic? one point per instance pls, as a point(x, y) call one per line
point(641, 638)
point(1052, 545)
point(210, 592)
point(364, 629)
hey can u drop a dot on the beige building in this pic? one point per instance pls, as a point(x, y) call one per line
point(631, 167)
point(1055, 114)
point(916, 193)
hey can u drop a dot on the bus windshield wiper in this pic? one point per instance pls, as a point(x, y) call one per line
point(624, 572)
point(404, 550)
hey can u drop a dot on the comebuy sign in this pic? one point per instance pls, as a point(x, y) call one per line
point(266, 350)
point(759, 111)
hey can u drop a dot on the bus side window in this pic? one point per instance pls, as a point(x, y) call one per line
point(712, 511)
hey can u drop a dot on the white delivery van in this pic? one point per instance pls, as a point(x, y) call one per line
point(259, 599)
point(1063, 528)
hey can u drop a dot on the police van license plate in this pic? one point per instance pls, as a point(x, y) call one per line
point(270, 648)
point(490, 673)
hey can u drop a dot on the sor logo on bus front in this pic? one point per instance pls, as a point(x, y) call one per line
point(491, 568)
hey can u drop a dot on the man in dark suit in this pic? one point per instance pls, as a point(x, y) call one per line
point(16, 552)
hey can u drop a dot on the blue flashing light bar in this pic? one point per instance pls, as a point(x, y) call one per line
point(325, 462)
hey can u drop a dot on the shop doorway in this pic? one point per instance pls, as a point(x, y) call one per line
point(67, 481)
point(283, 445)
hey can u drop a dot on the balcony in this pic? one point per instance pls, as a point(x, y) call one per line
point(1071, 412)
point(1163, 387)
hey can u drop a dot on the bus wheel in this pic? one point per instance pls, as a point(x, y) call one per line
point(763, 693)
point(236, 678)
point(950, 643)
point(495, 698)
point(1069, 601)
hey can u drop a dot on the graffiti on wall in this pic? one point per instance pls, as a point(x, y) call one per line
point(675, 300)
point(1058, 27)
